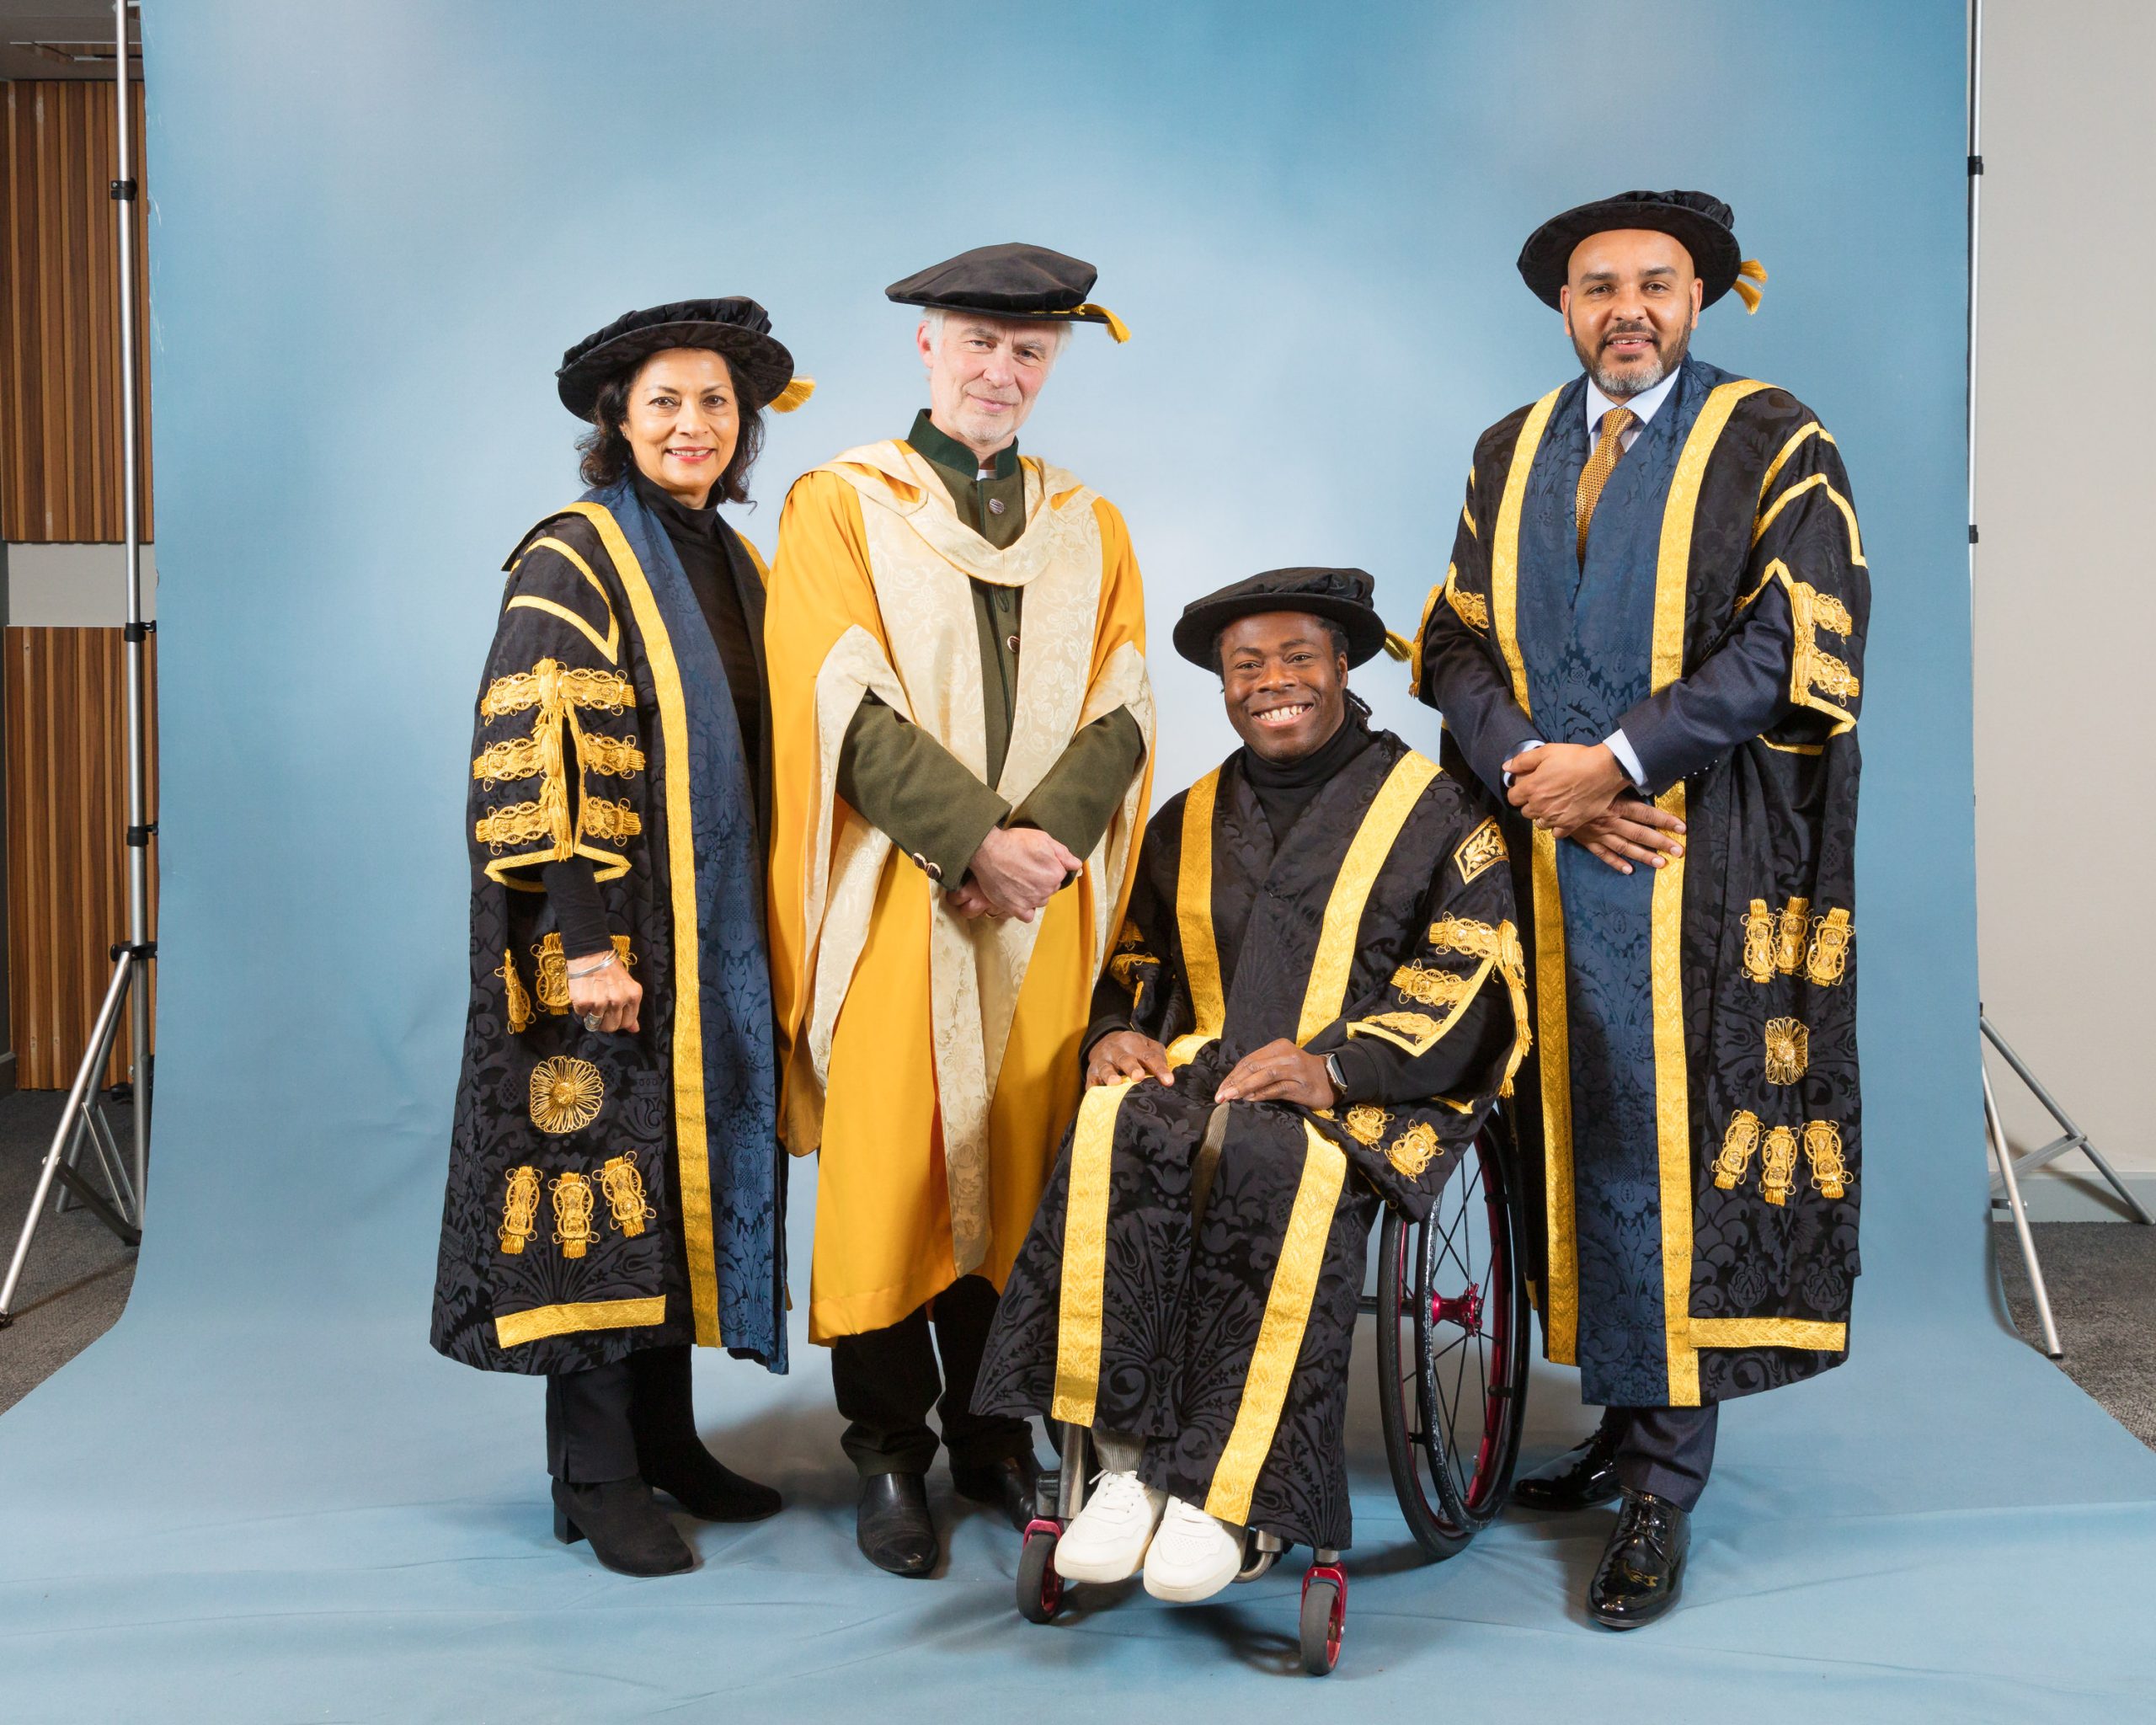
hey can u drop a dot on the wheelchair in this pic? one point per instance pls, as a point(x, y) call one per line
point(1452, 1334)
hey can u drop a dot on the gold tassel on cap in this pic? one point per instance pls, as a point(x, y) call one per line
point(1117, 327)
point(796, 392)
point(1750, 277)
point(1398, 647)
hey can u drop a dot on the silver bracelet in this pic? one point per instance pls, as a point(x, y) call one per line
point(594, 969)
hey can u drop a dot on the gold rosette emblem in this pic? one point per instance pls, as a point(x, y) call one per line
point(565, 1094)
point(573, 1229)
point(624, 1188)
point(519, 1207)
point(1788, 1050)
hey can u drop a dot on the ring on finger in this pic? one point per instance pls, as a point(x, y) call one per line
point(591, 1021)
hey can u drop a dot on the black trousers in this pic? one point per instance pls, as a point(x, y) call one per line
point(887, 1381)
point(1666, 1452)
point(601, 1422)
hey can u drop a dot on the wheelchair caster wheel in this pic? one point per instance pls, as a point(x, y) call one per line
point(1040, 1588)
point(1325, 1616)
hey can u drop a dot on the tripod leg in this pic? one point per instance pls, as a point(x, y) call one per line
point(60, 1199)
point(115, 1172)
point(2075, 1138)
point(1996, 1134)
point(70, 1124)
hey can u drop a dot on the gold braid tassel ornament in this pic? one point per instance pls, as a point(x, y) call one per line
point(573, 1229)
point(519, 1207)
point(1414, 1150)
point(1827, 961)
point(519, 1003)
point(1759, 942)
point(1778, 1166)
point(1751, 278)
point(1789, 936)
point(1822, 1149)
point(1737, 1145)
point(624, 1188)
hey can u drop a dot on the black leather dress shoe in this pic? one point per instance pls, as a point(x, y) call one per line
point(704, 1486)
point(629, 1533)
point(1010, 1485)
point(1578, 1479)
point(892, 1528)
point(1642, 1567)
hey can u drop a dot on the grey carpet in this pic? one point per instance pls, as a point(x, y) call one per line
point(75, 1279)
point(2101, 1277)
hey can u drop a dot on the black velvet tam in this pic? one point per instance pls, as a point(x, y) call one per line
point(1009, 281)
point(1702, 224)
point(1341, 597)
point(738, 328)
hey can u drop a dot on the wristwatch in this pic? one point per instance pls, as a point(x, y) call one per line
point(1333, 1072)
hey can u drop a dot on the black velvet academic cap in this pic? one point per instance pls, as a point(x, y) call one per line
point(1700, 223)
point(738, 328)
point(1009, 281)
point(1341, 597)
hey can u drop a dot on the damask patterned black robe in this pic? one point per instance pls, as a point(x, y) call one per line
point(610, 1193)
point(1193, 1273)
point(1690, 1117)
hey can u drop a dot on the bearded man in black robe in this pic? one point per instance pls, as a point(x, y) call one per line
point(1317, 994)
point(1649, 649)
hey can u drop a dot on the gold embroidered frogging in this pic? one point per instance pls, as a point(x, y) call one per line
point(1778, 1166)
point(548, 820)
point(1759, 942)
point(520, 1207)
point(1414, 1150)
point(1470, 608)
point(603, 819)
point(1432, 986)
point(1737, 1145)
point(573, 1229)
point(624, 1188)
point(602, 690)
point(1827, 961)
point(552, 979)
point(517, 1001)
point(1366, 1123)
point(1813, 670)
point(1789, 939)
point(1414, 1031)
point(1823, 1149)
point(565, 1094)
point(1822, 1142)
point(1788, 1049)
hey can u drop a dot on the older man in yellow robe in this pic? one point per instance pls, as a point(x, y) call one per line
point(961, 732)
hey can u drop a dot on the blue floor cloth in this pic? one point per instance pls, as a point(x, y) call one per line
point(332, 1523)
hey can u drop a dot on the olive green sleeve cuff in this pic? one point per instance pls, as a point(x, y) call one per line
point(1078, 796)
point(901, 780)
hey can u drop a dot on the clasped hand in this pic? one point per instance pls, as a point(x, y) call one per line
point(1280, 1071)
point(1581, 792)
point(1016, 870)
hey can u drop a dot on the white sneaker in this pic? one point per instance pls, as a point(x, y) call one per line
point(1107, 1540)
point(1191, 1557)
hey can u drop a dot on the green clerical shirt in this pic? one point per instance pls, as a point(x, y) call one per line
point(901, 780)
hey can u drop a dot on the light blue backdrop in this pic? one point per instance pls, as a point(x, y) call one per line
point(375, 228)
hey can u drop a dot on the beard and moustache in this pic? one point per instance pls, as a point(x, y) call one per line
point(1622, 386)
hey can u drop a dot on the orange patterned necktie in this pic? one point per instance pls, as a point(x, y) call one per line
point(1596, 473)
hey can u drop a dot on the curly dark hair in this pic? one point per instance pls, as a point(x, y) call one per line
point(608, 457)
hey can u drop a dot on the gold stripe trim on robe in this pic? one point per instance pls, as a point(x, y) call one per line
point(1560, 1311)
point(1840, 502)
point(1200, 954)
point(691, 1131)
point(1771, 1333)
point(1325, 995)
point(517, 1328)
point(1672, 1096)
point(1084, 1294)
point(1774, 467)
point(1280, 1334)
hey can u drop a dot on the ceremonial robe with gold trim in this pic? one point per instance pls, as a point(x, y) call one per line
point(1690, 1118)
point(613, 1192)
point(1193, 1273)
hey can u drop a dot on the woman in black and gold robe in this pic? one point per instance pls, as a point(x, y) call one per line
point(616, 1188)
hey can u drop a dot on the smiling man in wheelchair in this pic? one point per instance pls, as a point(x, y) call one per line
point(1317, 995)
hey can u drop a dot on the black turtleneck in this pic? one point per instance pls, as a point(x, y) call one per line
point(1283, 788)
point(704, 543)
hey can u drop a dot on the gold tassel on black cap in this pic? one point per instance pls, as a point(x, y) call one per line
point(1750, 277)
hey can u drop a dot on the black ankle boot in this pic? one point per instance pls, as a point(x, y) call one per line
point(629, 1533)
point(703, 1485)
point(891, 1526)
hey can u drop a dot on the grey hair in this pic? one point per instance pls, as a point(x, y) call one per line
point(932, 316)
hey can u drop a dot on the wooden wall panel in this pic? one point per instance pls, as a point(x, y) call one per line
point(64, 710)
point(60, 314)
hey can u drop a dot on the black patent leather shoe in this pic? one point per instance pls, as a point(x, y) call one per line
point(1011, 1485)
point(704, 1486)
point(629, 1533)
point(1579, 1479)
point(1642, 1567)
point(892, 1527)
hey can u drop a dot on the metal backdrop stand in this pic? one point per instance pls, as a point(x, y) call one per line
point(130, 973)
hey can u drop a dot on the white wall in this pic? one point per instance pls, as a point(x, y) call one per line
point(2065, 600)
